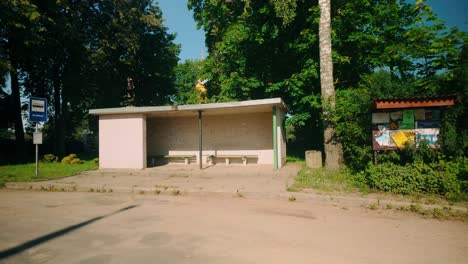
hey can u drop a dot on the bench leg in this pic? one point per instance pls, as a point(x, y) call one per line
point(186, 161)
point(227, 161)
point(244, 161)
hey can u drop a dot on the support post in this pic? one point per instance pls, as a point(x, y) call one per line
point(275, 141)
point(37, 152)
point(200, 138)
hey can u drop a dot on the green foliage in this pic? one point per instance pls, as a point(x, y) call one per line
point(380, 49)
point(76, 161)
point(187, 75)
point(85, 54)
point(71, 159)
point(436, 178)
point(329, 181)
point(66, 160)
point(49, 158)
point(423, 152)
point(353, 126)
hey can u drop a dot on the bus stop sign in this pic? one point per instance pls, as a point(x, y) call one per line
point(37, 109)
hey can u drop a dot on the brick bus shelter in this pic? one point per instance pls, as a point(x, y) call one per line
point(245, 132)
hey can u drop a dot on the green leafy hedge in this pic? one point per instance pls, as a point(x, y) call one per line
point(442, 178)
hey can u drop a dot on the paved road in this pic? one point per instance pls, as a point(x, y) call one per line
point(58, 227)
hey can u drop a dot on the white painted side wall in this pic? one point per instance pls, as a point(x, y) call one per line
point(122, 141)
point(235, 134)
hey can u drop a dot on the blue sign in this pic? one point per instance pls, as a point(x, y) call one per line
point(37, 109)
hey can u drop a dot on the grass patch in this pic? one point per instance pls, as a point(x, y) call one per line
point(445, 213)
point(26, 172)
point(458, 197)
point(328, 181)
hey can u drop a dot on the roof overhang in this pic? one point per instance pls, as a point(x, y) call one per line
point(251, 106)
point(382, 104)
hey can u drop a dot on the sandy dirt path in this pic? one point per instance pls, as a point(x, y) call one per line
point(57, 227)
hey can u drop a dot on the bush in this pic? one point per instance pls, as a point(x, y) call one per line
point(66, 160)
point(76, 161)
point(436, 178)
point(96, 160)
point(49, 158)
point(71, 159)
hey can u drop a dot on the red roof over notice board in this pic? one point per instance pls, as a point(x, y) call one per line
point(398, 103)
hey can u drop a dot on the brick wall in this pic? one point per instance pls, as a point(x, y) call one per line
point(235, 134)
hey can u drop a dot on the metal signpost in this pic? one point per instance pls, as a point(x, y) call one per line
point(37, 113)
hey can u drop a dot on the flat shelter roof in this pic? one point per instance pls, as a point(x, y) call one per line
point(261, 105)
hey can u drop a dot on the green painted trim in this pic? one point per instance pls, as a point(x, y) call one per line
point(200, 138)
point(275, 141)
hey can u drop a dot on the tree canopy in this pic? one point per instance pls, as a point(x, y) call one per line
point(108, 53)
point(260, 49)
point(85, 54)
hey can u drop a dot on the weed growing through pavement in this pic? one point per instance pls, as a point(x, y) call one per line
point(373, 206)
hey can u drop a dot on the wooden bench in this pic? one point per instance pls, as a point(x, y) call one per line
point(185, 157)
point(229, 157)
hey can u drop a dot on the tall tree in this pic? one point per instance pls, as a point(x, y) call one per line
point(84, 54)
point(18, 30)
point(332, 148)
point(187, 75)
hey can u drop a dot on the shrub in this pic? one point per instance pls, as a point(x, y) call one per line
point(66, 160)
point(76, 161)
point(71, 159)
point(49, 158)
point(96, 161)
point(437, 178)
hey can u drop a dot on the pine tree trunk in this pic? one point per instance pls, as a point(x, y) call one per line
point(333, 149)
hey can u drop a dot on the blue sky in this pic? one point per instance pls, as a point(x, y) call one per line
point(180, 20)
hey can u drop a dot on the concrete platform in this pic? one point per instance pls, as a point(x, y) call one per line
point(175, 178)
